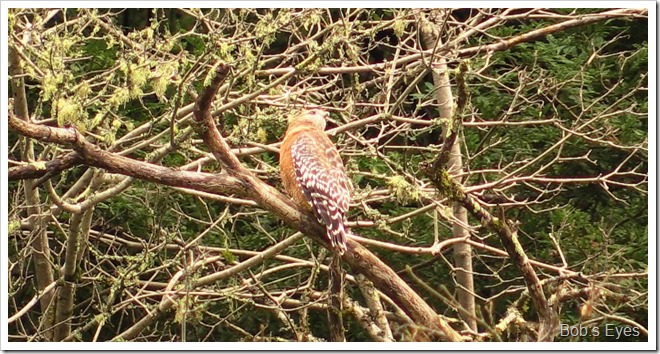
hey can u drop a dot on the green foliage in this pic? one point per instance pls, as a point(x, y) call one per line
point(556, 127)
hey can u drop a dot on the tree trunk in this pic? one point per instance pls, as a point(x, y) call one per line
point(462, 251)
point(39, 245)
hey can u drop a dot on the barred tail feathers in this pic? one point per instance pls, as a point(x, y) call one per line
point(322, 181)
point(331, 215)
point(337, 235)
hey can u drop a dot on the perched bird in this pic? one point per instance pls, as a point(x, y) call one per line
point(313, 173)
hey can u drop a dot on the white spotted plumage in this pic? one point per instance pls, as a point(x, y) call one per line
point(313, 173)
point(320, 175)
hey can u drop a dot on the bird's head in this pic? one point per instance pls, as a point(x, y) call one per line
point(314, 116)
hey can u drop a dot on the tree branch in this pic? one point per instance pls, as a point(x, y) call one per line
point(114, 163)
point(246, 185)
point(47, 170)
point(547, 317)
point(359, 258)
point(40, 249)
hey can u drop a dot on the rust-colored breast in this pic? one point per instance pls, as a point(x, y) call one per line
point(288, 172)
point(314, 176)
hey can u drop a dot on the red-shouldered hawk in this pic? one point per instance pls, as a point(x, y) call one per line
point(313, 173)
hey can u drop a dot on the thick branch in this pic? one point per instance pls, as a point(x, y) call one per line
point(249, 186)
point(94, 156)
point(49, 168)
point(209, 132)
point(359, 258)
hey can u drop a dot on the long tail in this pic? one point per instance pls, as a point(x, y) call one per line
point(336, 289)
